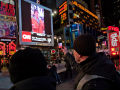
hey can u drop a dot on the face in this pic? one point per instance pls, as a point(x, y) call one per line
point(36, 14)
point(77, 56)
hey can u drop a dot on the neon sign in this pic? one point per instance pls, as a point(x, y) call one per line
point(62, 12)
point(7, 9)
point(113, 43)
point(113, 28)
point(2, 48)
point(84, 9)
point(12, 48)
point(63, 17)
point(63, 8)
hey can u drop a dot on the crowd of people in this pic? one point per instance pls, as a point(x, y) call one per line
point(28, 68)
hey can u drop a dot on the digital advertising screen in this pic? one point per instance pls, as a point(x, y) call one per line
point(8, 25)
point(35, 24)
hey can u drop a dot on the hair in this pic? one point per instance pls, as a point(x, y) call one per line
point(35, 10)
point(26, 64)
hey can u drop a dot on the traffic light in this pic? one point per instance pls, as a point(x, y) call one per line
point(53, 51)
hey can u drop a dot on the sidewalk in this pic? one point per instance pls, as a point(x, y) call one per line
point(5, 82)
point(61, 67)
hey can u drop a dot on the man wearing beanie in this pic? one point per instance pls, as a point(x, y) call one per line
point(28, 71)
point(95, 70)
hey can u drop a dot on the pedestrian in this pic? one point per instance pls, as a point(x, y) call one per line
point(68, 72)
point(54, 73)
point(28, 71)
point(96, 71)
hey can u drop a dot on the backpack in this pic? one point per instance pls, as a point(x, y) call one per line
point(117, 84)
point(87, 78)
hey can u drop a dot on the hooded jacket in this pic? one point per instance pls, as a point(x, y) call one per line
point(35, 83)
point(97, 64)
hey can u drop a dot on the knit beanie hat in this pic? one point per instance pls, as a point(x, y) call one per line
point(27, 63)
point(85, 45)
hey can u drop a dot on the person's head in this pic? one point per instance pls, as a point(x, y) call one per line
point(36, 13)
point(84, 46)
point(26, 64)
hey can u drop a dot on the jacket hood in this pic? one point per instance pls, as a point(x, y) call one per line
point(36, 83)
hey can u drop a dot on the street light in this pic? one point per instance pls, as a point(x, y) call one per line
point(55, 37)
point(54, 13)
point(60, 38)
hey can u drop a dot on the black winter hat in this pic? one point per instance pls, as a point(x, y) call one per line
point(85, 45)
point(26, 64)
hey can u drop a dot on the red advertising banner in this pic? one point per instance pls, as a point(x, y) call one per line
point(114, 42)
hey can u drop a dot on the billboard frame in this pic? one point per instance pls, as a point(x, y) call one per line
point(20, 25)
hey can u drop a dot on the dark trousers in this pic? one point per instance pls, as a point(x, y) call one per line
point(68, 73)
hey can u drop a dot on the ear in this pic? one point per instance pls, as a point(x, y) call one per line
point(80, 56)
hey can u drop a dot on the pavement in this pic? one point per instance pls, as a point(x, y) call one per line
point(60, 67)
point(5, 82)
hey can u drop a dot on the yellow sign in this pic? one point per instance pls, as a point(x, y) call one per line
point(104, 29)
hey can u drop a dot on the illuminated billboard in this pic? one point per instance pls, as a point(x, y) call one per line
point(8, 25)
point(35, 24)
point(84, 16)
point(63, 13)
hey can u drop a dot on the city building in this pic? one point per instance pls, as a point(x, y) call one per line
point(116, 13)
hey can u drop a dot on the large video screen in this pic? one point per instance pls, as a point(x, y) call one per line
point(35, 24)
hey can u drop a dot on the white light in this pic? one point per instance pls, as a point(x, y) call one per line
point(60, 38)
point(55, 37)
point(55, 12)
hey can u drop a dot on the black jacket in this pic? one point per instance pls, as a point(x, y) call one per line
point(36, 83)
point(97, 64)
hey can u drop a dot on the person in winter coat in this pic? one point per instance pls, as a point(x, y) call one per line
point(68, 72)
point(95, 70)
point(28, 71)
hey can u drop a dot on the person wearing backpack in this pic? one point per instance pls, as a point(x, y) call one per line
point(95, 70)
